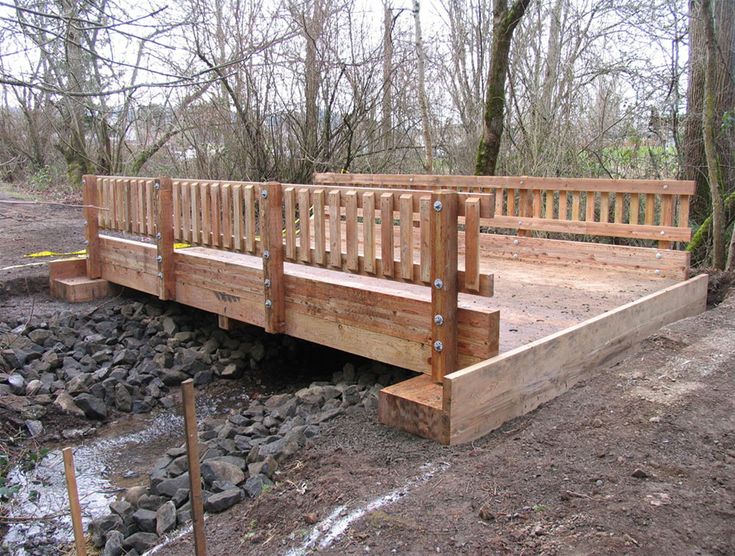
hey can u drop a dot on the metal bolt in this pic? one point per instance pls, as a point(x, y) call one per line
point(86, 242)
point(159, 258)
point(268, 304)
point(264, 193)
point(666, 186)
point(659, 255)
point(156, 186)
point(438, 320)
point(663, 233)
point(658, 271)
point(158, 236)
point(438, 206)
point(438, 284)
point(160, 275)
point(266, 254)
point(520, 222)
point(267, 283)
point(515, 255)
point(515, 242)
point(438, 346)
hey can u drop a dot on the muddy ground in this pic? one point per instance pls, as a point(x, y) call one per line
point(638, 459)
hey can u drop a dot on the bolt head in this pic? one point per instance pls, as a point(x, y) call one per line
point(160, 275)
point(438, 206)
point(266, 254)
point(268, 304)
point(156, 186)
point(267, 283)
point(264, 193)
point(659, 255)
point(515, 242)
point(438, 284)
point(159, 258)
point(158, 236)
point(438, 346)
point(663, 233)
point(438, 320)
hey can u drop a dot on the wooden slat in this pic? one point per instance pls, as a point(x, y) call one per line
point(536, 207)
point(472, 244)
point(368, 231)
point(149, 212)
point(667, 217)
point(335, 230)
point(499, 200)
point(140, 200)
point(575, 205)
point(683, 211)
point(272, 236)
point(320, 236)
point(386, 233)
point(215, 214)
point(589, 215)
point(304, 228)
point(196, 218)
point(619, 206)
point(406, 237)
point(206, 214)
point(650, 211)
point(425, 238)
point(511, 211)
point(237, 228)
point(635, 208)
point(563, 205)
point(226, 216)
point(604, 207)
point(176, 194)
point(185, 211)
point(444, 285)
point(350, 203)
point(249, 200)
point(549, 212)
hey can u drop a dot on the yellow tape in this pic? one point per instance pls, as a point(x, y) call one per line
point(42, 254)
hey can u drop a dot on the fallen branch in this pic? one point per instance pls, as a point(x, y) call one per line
point(68, 205)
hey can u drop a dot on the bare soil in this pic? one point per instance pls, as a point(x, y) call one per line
point(638, 459)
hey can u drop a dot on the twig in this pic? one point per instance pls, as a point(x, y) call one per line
point(577, 495)
point(26, 518)
point(6, 202)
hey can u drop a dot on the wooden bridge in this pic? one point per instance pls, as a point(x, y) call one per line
point(402, 269)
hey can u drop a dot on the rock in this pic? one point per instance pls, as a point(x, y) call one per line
point(33, 412)
point(313, 395)
point(39, 336)
point(311, 518)
point(276, 400)
point(169, 326)
point(125, 357)
point(351, 395)
point(140, 541)
point(93, 407)
point(266, 467)
point(254, 486)
point(123, 508)
point(35, 428)
point(203, 377)
point(100, 526)
point(114, 544)
point(145, 520)
point(181, 496)
point(326, 415)
point(231, 371)
point(222, 500)
point(150, 502)
point(168, 487)
point(78, 384)
point(165, 518)
point(213, 470)
point(173, 377)
point(33, 387)
point(65, 403)
point(257, 352)
point(133, 494)
point(17, 384)
point(122, 398)
point(639, 474)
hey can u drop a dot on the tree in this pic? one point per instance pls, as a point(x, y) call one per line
point(505, 20)
point(421, 90)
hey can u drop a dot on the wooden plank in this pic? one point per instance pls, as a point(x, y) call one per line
point(444, 284)
point(335, 230)
point(425, 239)
point(350, 203)
point(289, 216)
point(304, 229)
point(165, 240)
point(417, 181)
point(91, 212)
point(320, 236)
point(140, 200)
point(176, 196)
point(575, 205)
point(563, 206)
point(482, 397)
point(186, 212)
point(192, 458)
point(589, 215)
point(604, 207)
point(194, 199)
point(215, 215)
point(635, 208)
point(387, 253)
point(237, 228)
point(499, 200)
point(683, 221)
point(472, 245)
point(536, 204)
point(640, 231)
point(368, 231)
point(249, 199)
point(415, 405)
point(271, 233)
point(406, 237)
point(619, 206)
point(225, 323)
point(511, 210)
point(650, 210)
point(226, 216)
point(549, 209)
point(206, 214)
point(667, 217)
point(74, 507)
point(149, 210)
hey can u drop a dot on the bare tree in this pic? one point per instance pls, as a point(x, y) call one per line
point(421, 89)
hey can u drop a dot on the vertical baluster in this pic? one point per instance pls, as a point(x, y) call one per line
point(472, 244)
point(237, 231)
point(425, 233)
point(319, 229)
point(619, 207)
point(604, 206)
point(289, 198)
point(195, 197)
point(335, 230)
point(590, 208)
point(226, 216)
point(350, 202)
point(249, 199)
point(575, 206)
point(304, 232)
point(368, 232)
point(215, 214)
point(387, 253)
point(406, 237)
point(635, 207)
point(206, 213)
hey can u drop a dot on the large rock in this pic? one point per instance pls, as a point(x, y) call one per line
point(65, 403)
point(166, 518)
point(213, 470)
point(93, 407)
point(114, 544)
point(222, 500)
point(123, 399)
point(140, 542)
point(100, 526)
point(78, 384)
point(145, 520)
point(173, 377)
point(168, 487)
point(17, 384)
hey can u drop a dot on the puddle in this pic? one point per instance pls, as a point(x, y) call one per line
point(105, 465)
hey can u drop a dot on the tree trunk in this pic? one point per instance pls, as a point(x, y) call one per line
point(423, 102)
point(386, 123)
point(708, 134)
point(314, 24)
point(505, 21)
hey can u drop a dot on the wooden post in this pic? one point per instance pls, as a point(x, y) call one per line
point(192, 456)
point(76, 510)
point(271, 199)
point(165, 238)
point(443, 284)
point(91, 213)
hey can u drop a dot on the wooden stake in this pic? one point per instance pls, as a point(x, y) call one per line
point(76, 510)
point(192, 456)
point(443, 284)
point(91, 213)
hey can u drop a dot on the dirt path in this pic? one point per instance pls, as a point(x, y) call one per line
point(638, 459)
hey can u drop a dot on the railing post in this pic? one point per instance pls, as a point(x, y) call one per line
point(162, 194)
point(271, 232)
point(91, 213)
point(443, 284)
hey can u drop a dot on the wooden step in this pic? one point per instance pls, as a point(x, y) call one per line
point(80, 288)
point(416, 406)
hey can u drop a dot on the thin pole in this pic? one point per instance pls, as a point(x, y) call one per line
point(192, 455)
point(76, 510)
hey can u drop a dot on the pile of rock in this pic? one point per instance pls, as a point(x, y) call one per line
point(240, 457)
